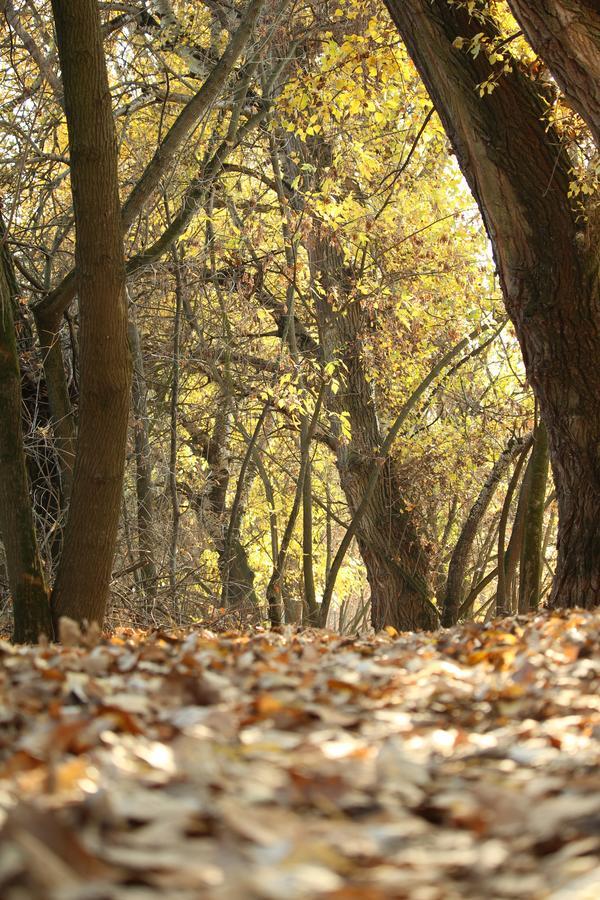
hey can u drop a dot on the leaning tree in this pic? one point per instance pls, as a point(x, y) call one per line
point(545, 248)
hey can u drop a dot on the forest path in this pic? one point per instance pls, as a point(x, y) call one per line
point(302, 764)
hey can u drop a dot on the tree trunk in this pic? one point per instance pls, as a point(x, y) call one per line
point(395, 558)
point(275, 587)
point(82, 583)
point(61, 412)
point(566, 34)
point(531, 556)
point(143, 469)
point(547, 260)
point(453, 594)
point(308, 576)
point(31, 607)
point(514, 549)
point(237, 577)
point(502, 599)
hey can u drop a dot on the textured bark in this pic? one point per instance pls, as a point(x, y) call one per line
point(453, 594)
point(82, 583)
point(395, 558)
point(531, 555)
point(566, 34)
point(547, 262)
point(31, 607)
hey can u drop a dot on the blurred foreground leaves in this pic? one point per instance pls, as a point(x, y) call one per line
point(302, 764)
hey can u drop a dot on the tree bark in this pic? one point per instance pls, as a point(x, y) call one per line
point(30, 598)
point(82, 583)
point(566, 34)
point(547, 261)
point(395, 558)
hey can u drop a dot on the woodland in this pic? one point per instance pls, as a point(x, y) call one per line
point(299, 449)
point(300, 313)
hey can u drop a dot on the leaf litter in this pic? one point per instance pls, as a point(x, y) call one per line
point(296, 763)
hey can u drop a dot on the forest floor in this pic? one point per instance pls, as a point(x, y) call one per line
point(300, 764)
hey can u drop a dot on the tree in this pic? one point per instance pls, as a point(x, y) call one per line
point(314, 411)
point(533, 534)
point(566, 34)
point(81, 587)
point(453, 592)
point(546, 254)
point(26, 576)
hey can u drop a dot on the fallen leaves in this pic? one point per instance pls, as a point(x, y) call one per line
point(299, 764)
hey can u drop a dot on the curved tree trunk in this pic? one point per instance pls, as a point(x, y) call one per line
point(546, 258)
point(82, 583)
point(31, 607)
point(395, 558)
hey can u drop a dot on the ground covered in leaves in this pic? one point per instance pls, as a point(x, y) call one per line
point(302, 764)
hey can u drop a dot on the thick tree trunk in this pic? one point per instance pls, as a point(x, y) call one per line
point(546, 258)
point(453, 594)
point(395, 558)
point(31, 607)
point(566, 34)
point(531, 555)
point(82, 583)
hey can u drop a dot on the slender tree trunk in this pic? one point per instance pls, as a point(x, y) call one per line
point(31, 607)
point(546, 256)
point(531, 556)
point(308, 574)
point(514, 549)
point(275, 585)
point(453, 594)
point(143, 479)
point(501, 590)
point(237, 577)
point(61, 411)
point(82, 583)
point(173, 436)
